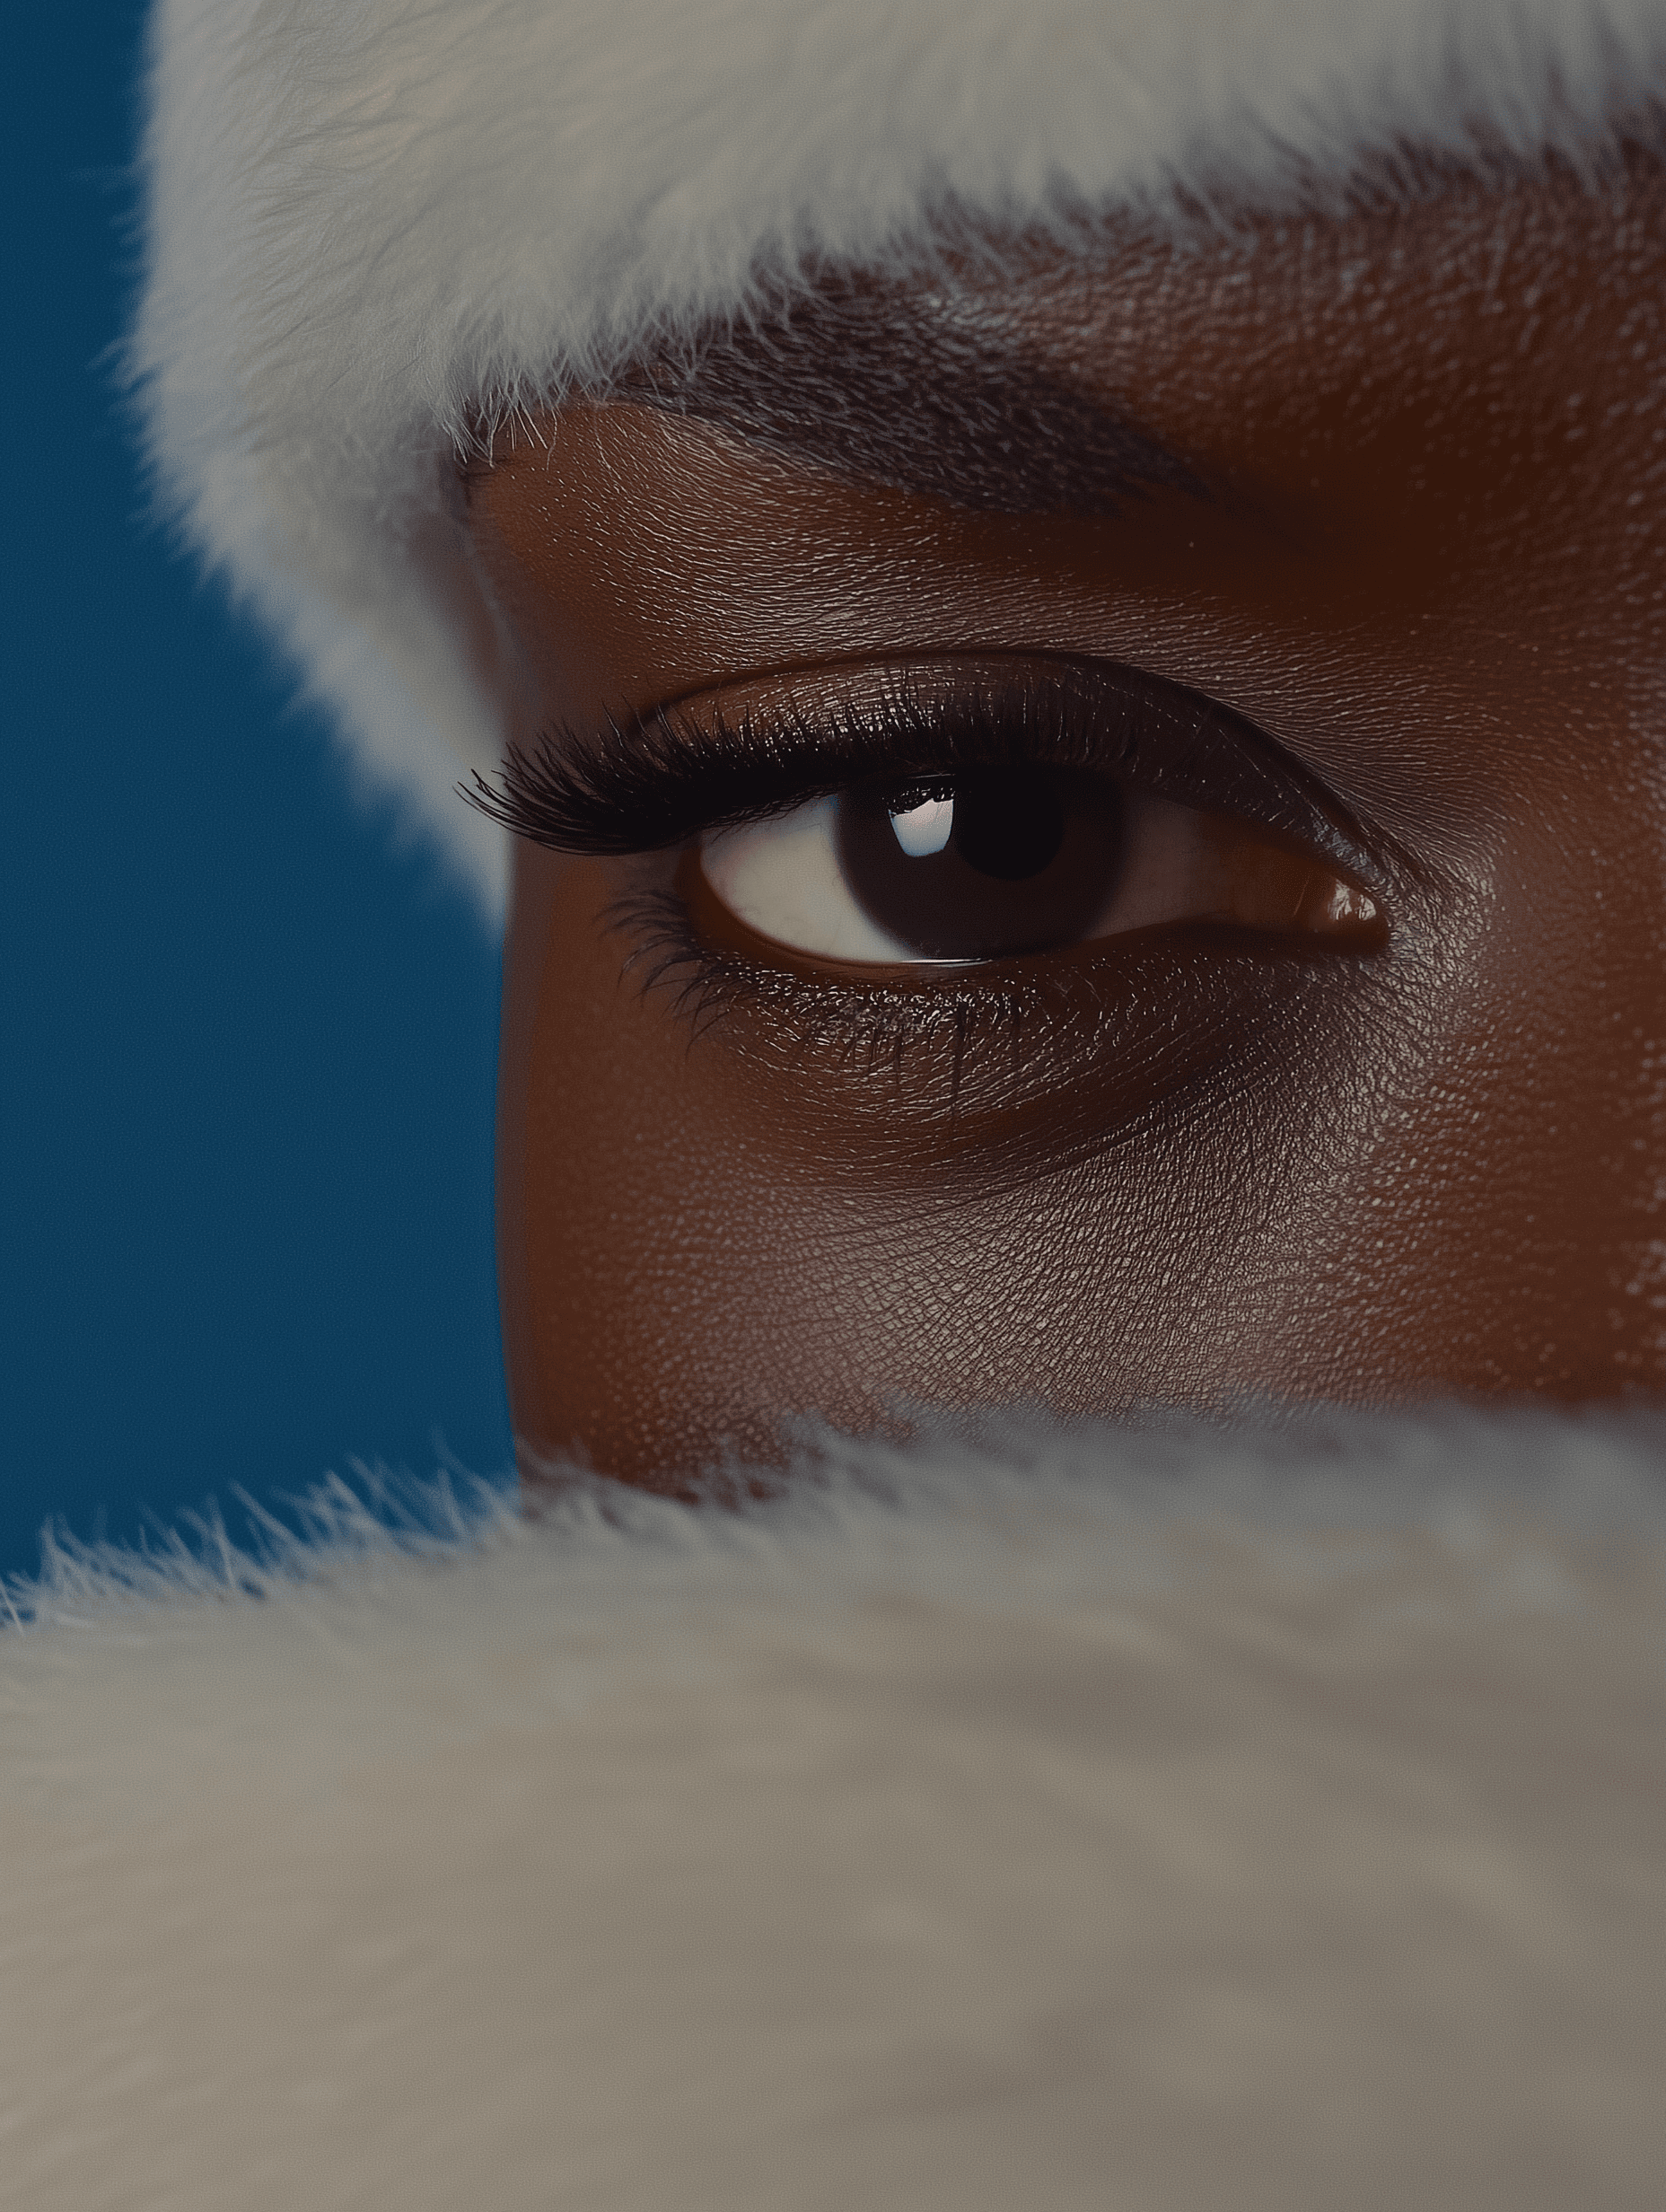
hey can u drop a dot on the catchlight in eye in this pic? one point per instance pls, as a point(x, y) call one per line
point(922, 818)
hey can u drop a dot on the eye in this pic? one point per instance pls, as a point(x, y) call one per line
point(990, 862)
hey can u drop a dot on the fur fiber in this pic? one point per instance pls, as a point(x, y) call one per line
point(369, 219)
point(1154, 1821)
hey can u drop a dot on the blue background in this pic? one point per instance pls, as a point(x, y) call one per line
point(248, 1043)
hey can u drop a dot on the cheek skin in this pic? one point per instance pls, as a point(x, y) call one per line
point(704, 1238)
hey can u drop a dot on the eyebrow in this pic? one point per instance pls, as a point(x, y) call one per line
point(883, 392)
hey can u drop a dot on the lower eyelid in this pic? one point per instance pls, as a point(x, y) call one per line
point(1018, 1065)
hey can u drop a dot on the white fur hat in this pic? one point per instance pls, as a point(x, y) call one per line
point(369, 218)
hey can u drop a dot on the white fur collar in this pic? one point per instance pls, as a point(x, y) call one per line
point(364, 218)
point(1169, 1822)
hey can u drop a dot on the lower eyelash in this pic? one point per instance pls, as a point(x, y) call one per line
point(868, 1029)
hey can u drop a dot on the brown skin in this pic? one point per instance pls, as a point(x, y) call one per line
point(1433, 574)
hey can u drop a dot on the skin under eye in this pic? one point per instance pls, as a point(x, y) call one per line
point(987, 864)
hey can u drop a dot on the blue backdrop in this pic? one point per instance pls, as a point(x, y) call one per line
point(248, 1045)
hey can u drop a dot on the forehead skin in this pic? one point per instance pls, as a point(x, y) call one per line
point(1419, 547)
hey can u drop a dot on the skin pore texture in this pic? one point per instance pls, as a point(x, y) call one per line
point(1386, 488)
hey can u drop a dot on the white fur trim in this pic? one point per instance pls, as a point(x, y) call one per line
point(364, 217)
point(1164, 1823)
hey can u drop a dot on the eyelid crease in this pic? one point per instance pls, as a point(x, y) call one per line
point(653, 781)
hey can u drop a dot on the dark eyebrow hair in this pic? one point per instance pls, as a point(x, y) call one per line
point(880, 390)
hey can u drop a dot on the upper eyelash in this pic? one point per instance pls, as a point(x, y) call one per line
point(658, 780)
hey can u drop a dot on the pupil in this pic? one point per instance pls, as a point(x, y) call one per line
point(1009, 827)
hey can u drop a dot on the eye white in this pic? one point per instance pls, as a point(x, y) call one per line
point(783, 878)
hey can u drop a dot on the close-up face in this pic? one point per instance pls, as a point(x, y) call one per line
point(1091, 837)
point(850, 1090)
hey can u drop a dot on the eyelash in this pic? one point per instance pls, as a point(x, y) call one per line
point(656, 783)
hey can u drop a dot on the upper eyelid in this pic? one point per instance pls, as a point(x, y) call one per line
point(658, 779)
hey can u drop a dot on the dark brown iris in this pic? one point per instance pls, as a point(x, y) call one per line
point(986, 862)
